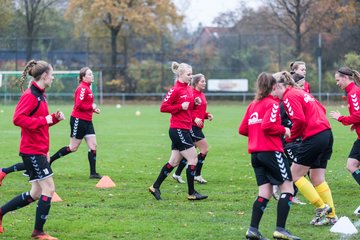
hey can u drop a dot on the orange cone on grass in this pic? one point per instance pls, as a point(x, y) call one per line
point(105, 182)
point(56, 198)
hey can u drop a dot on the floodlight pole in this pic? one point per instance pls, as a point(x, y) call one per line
point(319, 66)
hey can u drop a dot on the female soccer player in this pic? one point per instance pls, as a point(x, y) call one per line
point(310, 123)
point(32, 116)
point(179, 102)
point(299, 67)
point(262, 125)
point(349, 80)
point(81, 121)
point(199, 115)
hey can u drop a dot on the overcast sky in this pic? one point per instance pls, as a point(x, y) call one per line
point(205, 11)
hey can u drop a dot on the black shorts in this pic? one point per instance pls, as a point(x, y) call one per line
point(181, 139)
point(316, 150)
point(37, 166)
point(81, 128)
point(355, 151)
point(270, 167)
point(196, 133)
point(291, 151)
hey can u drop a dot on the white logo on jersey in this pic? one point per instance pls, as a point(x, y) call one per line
point(183, 96)
point(289, 108)
point(355, 101)
point(254, 119)
point(274, 113)
point(308, 98)
point(82, 92)
point(168, 95)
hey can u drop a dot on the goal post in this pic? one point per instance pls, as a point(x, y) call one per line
point(61, 90)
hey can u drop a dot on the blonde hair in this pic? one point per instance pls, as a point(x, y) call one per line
point(350, 73)
point(285, 78)
point(179, 68)
point(35, 69)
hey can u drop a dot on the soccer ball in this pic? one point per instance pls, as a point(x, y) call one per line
point(137, 113)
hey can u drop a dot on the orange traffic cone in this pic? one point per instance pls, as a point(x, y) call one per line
point(56, 198)
point(105, 182)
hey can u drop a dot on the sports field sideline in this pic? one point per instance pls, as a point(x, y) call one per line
point(131, 151)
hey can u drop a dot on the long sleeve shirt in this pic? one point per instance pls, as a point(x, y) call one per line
point(172, 103)
point(29, 115)
point(262, 125)
point(83, 101)
point(199, 111)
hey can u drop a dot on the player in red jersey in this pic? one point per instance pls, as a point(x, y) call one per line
point(179, 102)
point(199, 114)
point(262, 125)
point(311, 125)
point(349, 80)
point(81, 121)
point(32, 116)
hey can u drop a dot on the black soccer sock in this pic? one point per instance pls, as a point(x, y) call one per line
point(17, 202)
point(296, 190)
point(201, 159)
point(356, 176)
point(258, 210)
point(283, 209)
point(181, 166)
point(92, 161)
point(42, 212)
point(62, 152)
point(14, 168)
point(190, 174)
point(165, 171)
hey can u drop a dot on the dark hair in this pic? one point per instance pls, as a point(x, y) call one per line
point(295, 65)
point(352, 74)
point(82, 73)
point(297, 77)
point(35, 69)
point(196, 79)
point(264, 85)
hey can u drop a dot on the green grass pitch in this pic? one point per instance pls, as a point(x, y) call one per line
point(131, 151)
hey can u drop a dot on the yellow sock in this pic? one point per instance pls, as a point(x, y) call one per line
point(325, 194)
point(309, 192)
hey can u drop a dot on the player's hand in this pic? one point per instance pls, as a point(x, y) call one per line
point(198, 122)
point(59, 115)
point(185, 105)
point(335, 115)
point(287, 133)
point(197, 101)
point(210, 117)
point(97, 110)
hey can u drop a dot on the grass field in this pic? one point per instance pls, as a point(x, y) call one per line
point(131, 150)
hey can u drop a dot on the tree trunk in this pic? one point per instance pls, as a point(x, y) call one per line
point(29, 45)
point(114, 33)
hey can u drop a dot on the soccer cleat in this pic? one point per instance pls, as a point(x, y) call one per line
point(197, 196)
point(283, 234)
point(178, 178)
point(2, 176)
point(276, 192)
point(26, 173)
point(42, 236)
point(320, 213)
point(95, 176)
point(155, 192)
point(327, 221)
point(296, 200)
point(200, 179)
point(254, 234)
point(357, 211)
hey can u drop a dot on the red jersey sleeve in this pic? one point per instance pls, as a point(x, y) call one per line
point(295, 112)
point(168, 105)
point(23, 109)
point(79, 102)
point(354, 110)
point(271, 123)
point(244, 125)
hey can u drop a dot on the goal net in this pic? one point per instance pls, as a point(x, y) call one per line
point(61, 90)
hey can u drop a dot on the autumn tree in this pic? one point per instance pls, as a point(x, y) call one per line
point(123, 19)
point(7, 10)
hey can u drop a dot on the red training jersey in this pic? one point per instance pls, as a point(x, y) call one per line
point(178, 94)
point(262, 125)
point(29, 115)
point(353, 95)
point(83, 101)
point(307, 87)
point(307, 114)
point(199, 111)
